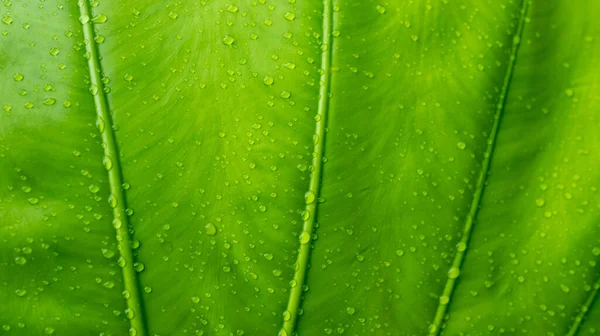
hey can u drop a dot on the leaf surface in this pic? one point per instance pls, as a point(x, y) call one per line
point(336, 167)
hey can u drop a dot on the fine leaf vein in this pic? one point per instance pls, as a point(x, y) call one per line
point(587, 305)
point(113, 167)
point(444, 302)
point(290, 316)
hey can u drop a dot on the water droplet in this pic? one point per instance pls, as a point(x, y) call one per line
point(289, 16)
point(228, 40)
point(380, 9)
point(94, 188)
point(139, 267)
point(350, 310)
point(287, 316)
point(108, 253)
point(21, 292)
point(444, 299)
point(309, 197)
point(173, 15)
point(112, 201)
point(540, 202)
point(304, 237)
point(54, 51)
point(210, 229)
point(49, 101)
point(20, 260)
point(101, 18)
point(268, 80)
point(7, 20)
point(461, 145)
point(18, 77)
point(460, 247)
point(453, 273)
point(232, 8)
point(108, 164)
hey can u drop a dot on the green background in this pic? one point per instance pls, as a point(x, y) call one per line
point(213, 104)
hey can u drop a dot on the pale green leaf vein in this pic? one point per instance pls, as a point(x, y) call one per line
point(112, 164)
point(444, 301)
point(290, 316)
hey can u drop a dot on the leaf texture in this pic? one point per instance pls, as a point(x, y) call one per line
point(299, 167)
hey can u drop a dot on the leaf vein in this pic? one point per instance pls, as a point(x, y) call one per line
point(290, 316)
point(115, 176)
point(444, 303)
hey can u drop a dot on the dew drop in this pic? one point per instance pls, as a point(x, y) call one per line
point(309, 197)
point(304, 237)
point(453, 273)
point(108, 164)
point(101, 18)
point(49, 101)
point(289, 16)
point(228, 40)
point(540, 202)
point(268, 80)
point(210, 229)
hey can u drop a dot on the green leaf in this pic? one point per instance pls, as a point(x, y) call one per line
point(336, 167)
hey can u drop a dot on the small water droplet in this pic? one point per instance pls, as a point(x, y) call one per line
point(228, 40)
point(304, 237)
point(268, 80)
point(540, 202)
point(210, 229)
point(101, 18)
point(289, 16)
point(309, 197)
point(453, 273)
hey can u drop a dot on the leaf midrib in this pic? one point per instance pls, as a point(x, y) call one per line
point(435, 327)
point(290, 316)
point(134, 312)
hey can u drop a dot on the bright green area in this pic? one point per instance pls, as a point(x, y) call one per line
point(214, 107)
